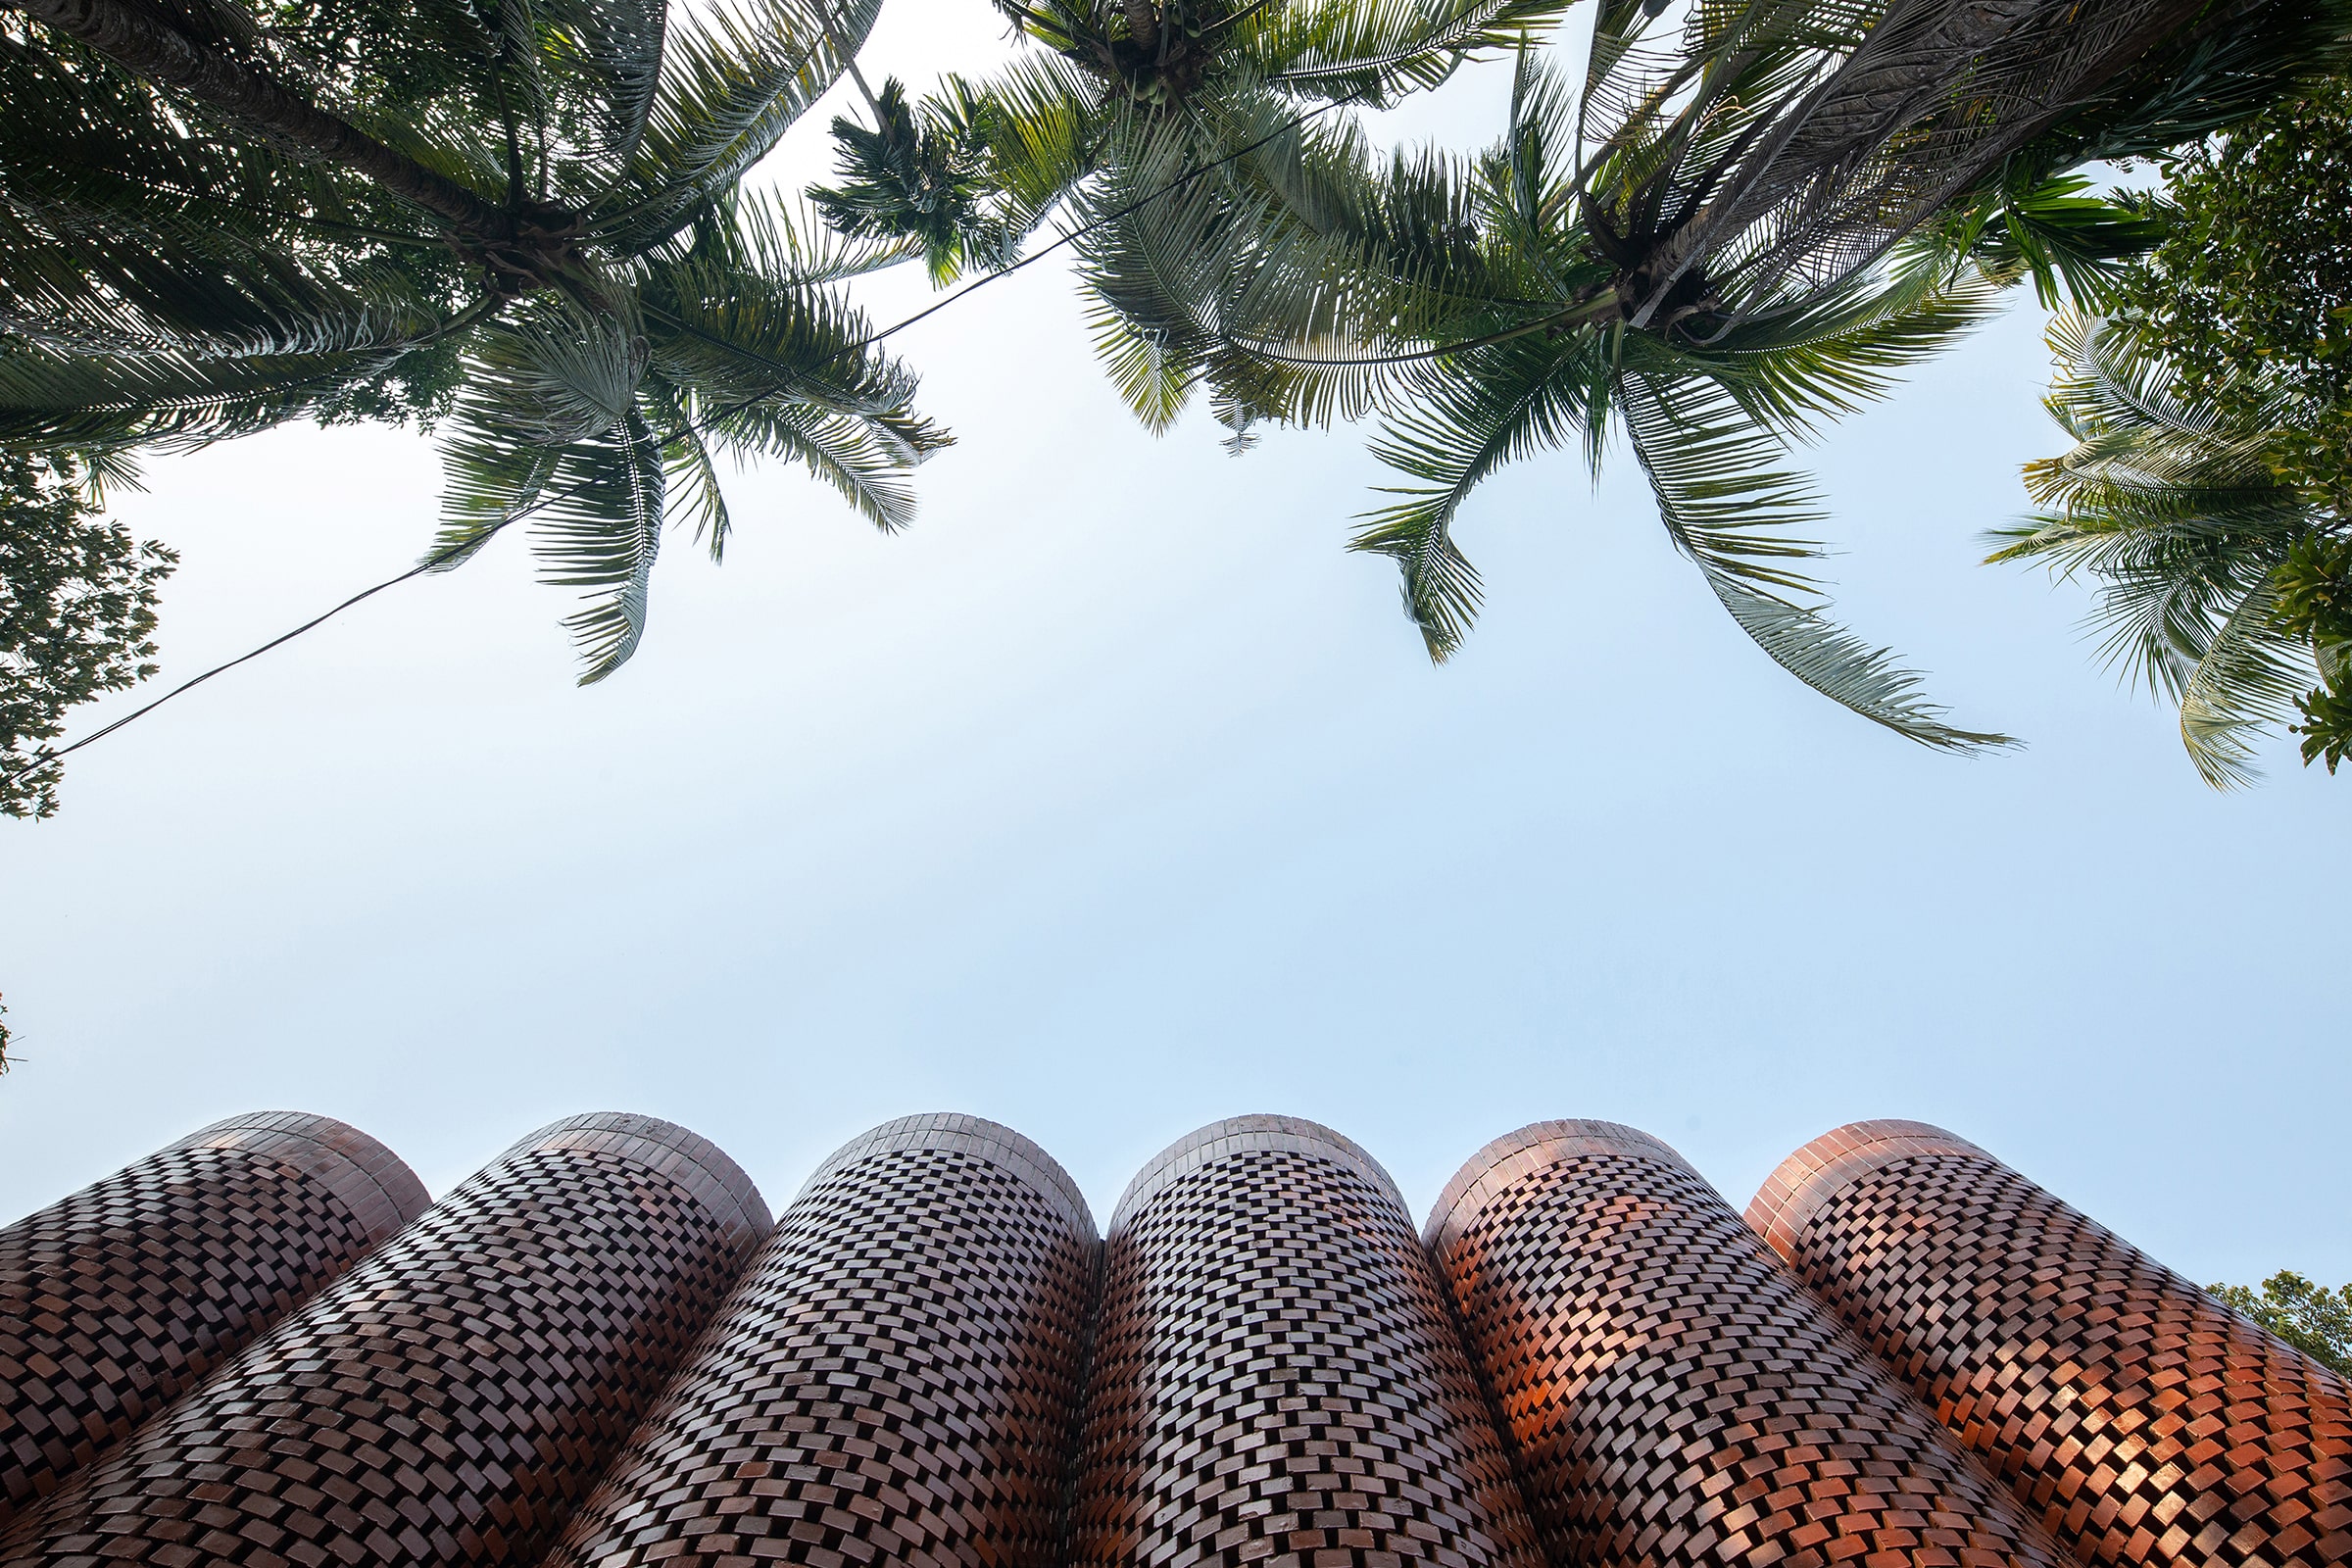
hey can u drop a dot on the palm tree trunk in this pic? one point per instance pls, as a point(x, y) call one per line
point(2043, 56)
point(1963, 83)
point(154, 52)
point(1144, 24)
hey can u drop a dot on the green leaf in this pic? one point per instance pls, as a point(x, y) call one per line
point(736, 75)
point(1723, 507)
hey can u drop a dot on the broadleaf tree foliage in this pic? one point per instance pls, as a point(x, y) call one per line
point(77, 597)
point(2206, 494)
point(2313, 1318)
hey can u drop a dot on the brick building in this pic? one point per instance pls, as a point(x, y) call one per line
point(262, 1347)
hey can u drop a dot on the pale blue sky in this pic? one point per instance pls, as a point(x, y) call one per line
point(1117, 797)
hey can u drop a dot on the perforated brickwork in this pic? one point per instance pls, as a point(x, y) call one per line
point(115, 1300)
point(1275, 1379)
point(1676, 1398)
point(448, 1400)
point(895, 1381)
point(2143, 1422)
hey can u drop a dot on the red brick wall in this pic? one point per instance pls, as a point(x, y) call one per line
point(1677, 1400)
point(115, 1301)
point(1275, 1378)
point(895, 1381)
point(2146, 1425)
point(451, 1400)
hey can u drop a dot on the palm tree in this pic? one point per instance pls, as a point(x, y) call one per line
point(920, 175)
point(1119, 100)
point(2175, 509)
point(1750, 217)
point(1533, 350)
point(523, 218)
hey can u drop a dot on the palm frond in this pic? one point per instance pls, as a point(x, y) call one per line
point(550, 428)
point(864, 460)
point(602, 530)
point(1047, 131)
point(1834, 662)
point(1839, 347)
point(785, 240)
point(1375, 49)
point(2246, 678)
point(738, 333)
point(2180, 520)
point(1469, 419)
point(735, 75)
point(696, 496)
point(920, 180)
point(536, 393)
point(73, 401)
point(1724, 504)
point(612, 49)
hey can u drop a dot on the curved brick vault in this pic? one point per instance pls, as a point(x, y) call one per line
point(1677, 1400)
point(2144, 1423)
point(1275, 1378)
point(117, 1299)
point(252, 1351)
point(448, 1400)
point(894, 1382)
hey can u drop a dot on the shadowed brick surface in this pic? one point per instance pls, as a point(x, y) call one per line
point(895, 1381)
point(450, 1399)
point(117, 1299)
point(1275, 1379)
point(1675, 1397)
point(234, 1353)
point(2145, 1423)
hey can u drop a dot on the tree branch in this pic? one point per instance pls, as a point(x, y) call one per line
point(159, 54)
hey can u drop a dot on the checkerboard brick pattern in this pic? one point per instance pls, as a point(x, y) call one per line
point(895, 1381)
point(448, 1400)
point(1677, 1400)
point(2144, 1423)
point(115, 1301)
point(1275, 1378)
point(251, 1350)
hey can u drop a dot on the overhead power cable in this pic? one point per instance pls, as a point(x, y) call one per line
point(45, 760)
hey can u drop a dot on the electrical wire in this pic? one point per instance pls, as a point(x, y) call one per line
point(46, 760)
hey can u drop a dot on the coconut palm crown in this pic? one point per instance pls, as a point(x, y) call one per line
point(1500, 321)
point(2177, 512)
point(1751, 214)
point(521, 220)
point(1119, 107)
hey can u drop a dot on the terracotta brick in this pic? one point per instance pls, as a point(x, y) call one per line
point(1275, 1377)
point(895, 1381)
point(471, 1379)
point(1675, 1398)
point(2146, 1425)
point(115, 1301)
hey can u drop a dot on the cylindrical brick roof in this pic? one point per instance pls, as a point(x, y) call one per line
point(2144, 1423)
point(452, 1398)
point(693, 1161)
point(1276, 1380)
point(980, 1137)
point(1235, 1135)
point(1789, 1197)
point(1675, 1399)
point(895, 1381)
point(368, 1179)
point(1538, 1147)
point(249, 1351)
point(115, 1301)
